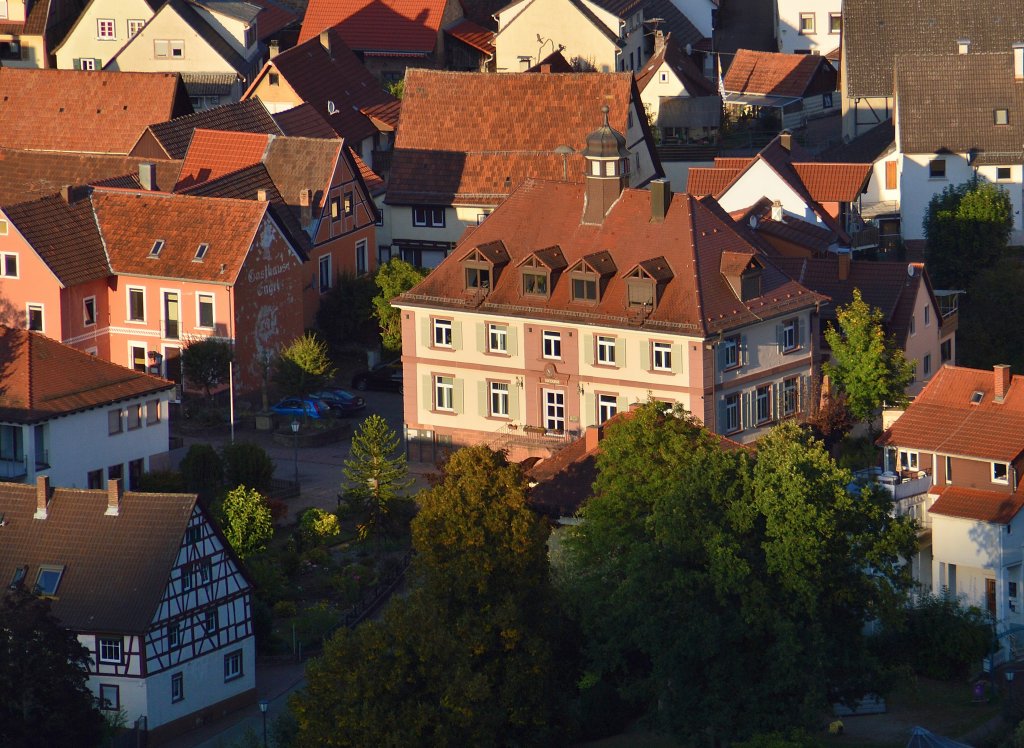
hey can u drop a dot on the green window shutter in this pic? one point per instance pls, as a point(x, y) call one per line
point(428, 333)
point(779, 338)
point(481, 397)
point(802, 329)
point(743, 355)
point(512, 337)
point(805, 395)
point(645, 355)
point(457, 335)
point(678, 352)
point(620, 352)
point(427, 396)
point(77, 62)
point(459, 396)
point(588, 348)
point(513, 401)
point(97, 64)
point(481, 337)
point(721, 420)
point(591, 405)
point(747, 421)
point(622, 403)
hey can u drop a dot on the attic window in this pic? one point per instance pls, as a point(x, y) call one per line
point(535, 278)
point(275, 79)
point(585, 282)
point(976, 397)
point(750, 284)
point(19, 577)
point(48, 580)
point(478, 276)
point(1002, 116)
point(201, 252)
point(158, 245)
point(640, 287)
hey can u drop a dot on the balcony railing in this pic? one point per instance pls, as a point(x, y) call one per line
point(533, 437)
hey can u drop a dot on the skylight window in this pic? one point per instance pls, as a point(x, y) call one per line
point(201, 252)
point(48, 580)
point(158, 246)
point(976, 397)
point(19, 577)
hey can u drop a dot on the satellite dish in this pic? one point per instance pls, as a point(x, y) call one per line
point(689, 49)
point(910, 270)
point(753, 222)
point(331, 108)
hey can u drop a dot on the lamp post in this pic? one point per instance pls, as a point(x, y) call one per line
point(295, 434)
point(264, 704)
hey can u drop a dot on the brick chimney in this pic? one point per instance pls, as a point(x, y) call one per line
point(147, 176)
point(273, 49)
point(305, 208)
point(777, 212)
point(963, 46)
point(1018, 61)
point(114, 496)
point(325, 42)
point(844, 266)
point(546, 67)
point(1002, 381)
point(661, 198)
point(659, 41)
point(786, 140)
point(42, 496)
point(592, 437)
point(261, 195)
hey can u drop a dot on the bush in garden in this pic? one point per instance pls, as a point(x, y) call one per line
point(247, 464)
point(319, 526)
point(203, 471)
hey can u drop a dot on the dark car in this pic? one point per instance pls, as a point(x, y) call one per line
point(340, 402)
point(301, 407)
point(386, 376)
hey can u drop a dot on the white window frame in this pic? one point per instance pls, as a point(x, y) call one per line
point(443, 336)
point(173, 635)
point(324, 270)
point(233, 666)
point(497, 338)
point(606, 350)
point(912, 459)
point(444, 393)
point(731, 361)
point(607, 407)
point(200, 299)
point(428, 217)
point(176, 45)
point(551, 345)
point(4, 258)
point(86, 303)
point(790, 335)
point(128, 304)
point(498, 401)
point(763, 404)
point(661, 356)
point(87, 63)
point(135, 26)
point(1005, 480)
point(790, 387)
point(732, 413)
point(106, 23)
point(811, 28)
point(31, 307)
point(105, 645)
point(161, 48)
point(132, 346)
point(177, 688)
point(105, 702)
point(834, 17)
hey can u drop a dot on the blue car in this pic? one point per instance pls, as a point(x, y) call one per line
point(340, 402)
point(301, 407)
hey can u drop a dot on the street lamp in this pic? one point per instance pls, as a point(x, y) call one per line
point(295, 432)
point(264, 704)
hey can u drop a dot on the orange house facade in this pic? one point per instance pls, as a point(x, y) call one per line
point(132, 277)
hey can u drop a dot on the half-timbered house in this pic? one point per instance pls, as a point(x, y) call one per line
point(151, 588)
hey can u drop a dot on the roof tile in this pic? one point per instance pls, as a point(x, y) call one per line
point(984, 506)
point(383, 25)
point(779, 74)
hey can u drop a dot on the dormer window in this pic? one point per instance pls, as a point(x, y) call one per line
point(158, 246)
point(750, 284)
point(535, 282)
point(478, 276)
point(201, 252)
point(640, 289)
point(584, 286)
point(585, 276)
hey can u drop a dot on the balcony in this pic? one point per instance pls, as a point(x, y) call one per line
point(909, 491)
point(533, 438)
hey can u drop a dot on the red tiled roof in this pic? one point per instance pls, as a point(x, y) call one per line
point(84, 111)
point(378, 25)
point(473, 34)
point(175, 135)
point(686, 70)
point(942, 418)
point(304, 121)
point(457, 135)
point(983, 506)
point(334, 83)
point(778, 74)
point(272, 17)
point(43, 378)
point(694, 298)
point(834, 182)
point(214, 153)
point(374, 184)
point(131, 222)
point(709, 180)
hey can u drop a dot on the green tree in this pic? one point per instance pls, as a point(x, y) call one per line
point(247, 464)
point(967, 227)
point(246, 521)
point(394, 277)
point(346, 311)
point(304, 366)
point(467, 658)
point(695, 567)
point(866, 366)
point(375, 472)
point(203, 471)
point(205, 362)
point(44, 697)
point(990, 331)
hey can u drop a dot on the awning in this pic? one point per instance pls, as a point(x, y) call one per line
point(760, 100)
point(209, 84)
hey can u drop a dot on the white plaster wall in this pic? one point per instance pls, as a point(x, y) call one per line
point(80, 443)
point(760, 180)
point(558, 22)
point(232, 29)
point(699, 13)
point(131, 692)
point(650, 97)
point(82, 41)
point(789, 37)
point(402, 226)
point(199, 57)
point(917, 188)
point(678, 172)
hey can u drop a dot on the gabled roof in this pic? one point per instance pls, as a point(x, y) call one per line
point(131, 222)
point(304, 121)
point(272, 18)
point(875, 32)
point(334, 83)
point(695, 298)
point(43, 379)
point(473, 35)
point(995, 507)
point(214, 153)
point(116, 568)
point(478, 135)
point(553, 63)
point(374, 183)
point(685, 69)
point(948, 102)
point(377, 25)
point(943, 418)
point(779, 74)
point(28, 175)
point(84, 111)
point(175, 135)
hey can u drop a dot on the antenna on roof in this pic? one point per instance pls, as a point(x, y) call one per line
point(910, 270)
point(331, 108)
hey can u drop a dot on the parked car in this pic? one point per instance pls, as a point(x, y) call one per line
point(301, 407)
point(385, 376)
point(341, 402)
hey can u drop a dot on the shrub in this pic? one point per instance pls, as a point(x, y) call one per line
point(316, 623)
point(247, 464)
point(267, 575)
point(317, 556)
point(857, 453)
point(318, 526)
point(246, 521)
point(285, 609)
point(161, 481)
point(203, 471)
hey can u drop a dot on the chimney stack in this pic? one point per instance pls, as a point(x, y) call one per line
point(844, 266)
point(592, 437)
point(325, 42)
point(114, 496)
point(1018, 61)
point(273, 48)
point(305, 208)
point(1002, 381)
point(659, 41)
point(786, 140)
point(963, 46)
point(147, 176)
point(546, 67)
point(661, 198)
point(777, 212)
point(67, 193)
point(261, 195)
point(42, 496)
